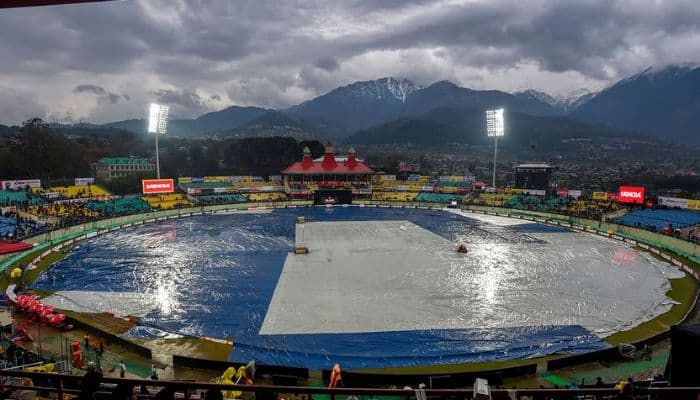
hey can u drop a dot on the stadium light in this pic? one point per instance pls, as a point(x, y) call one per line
point(157, 124)
point(494, 128)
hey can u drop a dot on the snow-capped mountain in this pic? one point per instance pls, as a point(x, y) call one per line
point(538, 96)
point(383, 89)
point(360, 104)
point(540, 100)
point(561, 104)
point(574, 99)
point(401, 88)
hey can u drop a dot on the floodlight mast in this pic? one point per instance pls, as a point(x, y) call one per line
point(495, 128)
point(157, 124)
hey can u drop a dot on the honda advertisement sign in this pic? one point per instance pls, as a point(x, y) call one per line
point(151, 186)
point(631, 194)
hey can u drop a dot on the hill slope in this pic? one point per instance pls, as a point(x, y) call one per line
point(663, 103)
point(447, 125)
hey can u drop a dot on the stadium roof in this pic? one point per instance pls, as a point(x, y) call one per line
point(330, 164)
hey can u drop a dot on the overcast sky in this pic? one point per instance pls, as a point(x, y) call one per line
point(106, 61)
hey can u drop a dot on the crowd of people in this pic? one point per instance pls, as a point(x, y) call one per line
point(14, 227)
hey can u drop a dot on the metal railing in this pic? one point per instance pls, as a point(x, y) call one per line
point(59, 385)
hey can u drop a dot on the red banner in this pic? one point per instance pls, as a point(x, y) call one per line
point(631, 194)
point(151, 186)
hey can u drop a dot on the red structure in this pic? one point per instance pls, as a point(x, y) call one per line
point(332, 178)
point(7, 247)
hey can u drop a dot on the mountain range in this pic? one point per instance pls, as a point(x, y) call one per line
point(663, 103)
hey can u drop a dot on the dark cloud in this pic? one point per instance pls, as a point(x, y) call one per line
point(103, 96)
point(269, 53)
point(114, 98)
point(327, 63)
point(183, 103)
point(94, 89)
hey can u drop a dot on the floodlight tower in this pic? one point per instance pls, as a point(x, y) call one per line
point(157, 124)
point(494, 128)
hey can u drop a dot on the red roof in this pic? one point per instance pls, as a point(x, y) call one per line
point(329, 165)
point(13, 247)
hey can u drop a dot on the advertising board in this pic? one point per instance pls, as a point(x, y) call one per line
point(631, 194)
point(151, 186)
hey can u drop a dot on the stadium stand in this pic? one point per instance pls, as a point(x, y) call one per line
point(535, 203)
point(493, 199)
point(454, 184)
point(267, 196)
point(205, 185)
point(167, 201)
point(438, 198)
point(75, 192)
point(590, 208)
point(122, 206)
point(224, 198)
point(13, 227)
point(657, 220)
point(394, 196)
point(19, 198)
point(66, 213)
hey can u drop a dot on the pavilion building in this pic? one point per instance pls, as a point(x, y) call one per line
point(331, 179)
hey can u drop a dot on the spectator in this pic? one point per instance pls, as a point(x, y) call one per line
point(90, 383)
point(123, 391)
point(122, 369)
point(214, 394)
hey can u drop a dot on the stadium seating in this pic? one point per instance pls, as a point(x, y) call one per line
point(394, 196)
point(205, 185)
point(18, 198)
point(535, 203)
point(454, 184)
point(493, 199)
point(167, 201)
point(14, 227)
point(659, 219)
point(125, 205)
point(438, 198)
point(590, 208)
point(224, 198)
point(75, 192)
point(267, 197)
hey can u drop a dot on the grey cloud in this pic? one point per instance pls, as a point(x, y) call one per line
point(289, 51)
point(94, 89)
point(17, 106)
point(559, 35)
point(114, 98)
point(327, 63)
point(184, 103)
point(103, 96)
point(215, 97)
